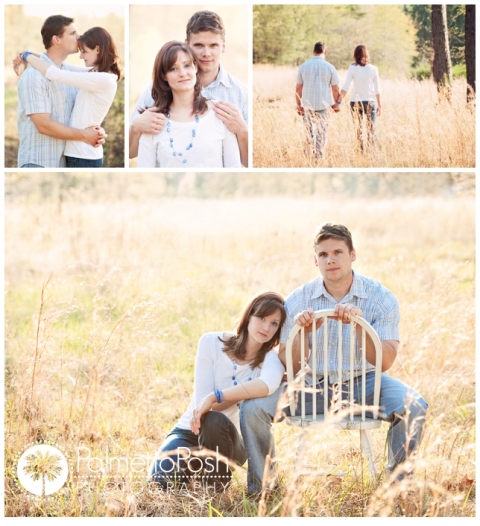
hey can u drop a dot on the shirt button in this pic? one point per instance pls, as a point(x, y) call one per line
point(234, 383)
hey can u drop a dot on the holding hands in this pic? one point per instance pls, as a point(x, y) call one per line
point(17, 62)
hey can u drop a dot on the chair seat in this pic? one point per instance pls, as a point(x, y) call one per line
point(345, 423)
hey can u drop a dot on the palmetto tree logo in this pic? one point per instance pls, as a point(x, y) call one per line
point(42, 470)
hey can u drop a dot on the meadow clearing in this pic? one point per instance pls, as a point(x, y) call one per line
point(415, 128)
point(108, 287)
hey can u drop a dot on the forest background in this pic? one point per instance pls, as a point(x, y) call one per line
point(399, 36)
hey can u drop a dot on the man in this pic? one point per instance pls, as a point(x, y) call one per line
point(44, 107)
point(339, 288)
point(316, 80)
point(206, 37)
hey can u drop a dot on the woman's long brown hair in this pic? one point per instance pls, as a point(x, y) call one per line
point(108, 59)
point(360, 56)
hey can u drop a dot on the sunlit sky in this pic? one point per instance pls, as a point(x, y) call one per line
point(96, 10)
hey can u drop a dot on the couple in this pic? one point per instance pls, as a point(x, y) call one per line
point(317, 80)
point(61, 106)
point(194, 114)
point(238, 374)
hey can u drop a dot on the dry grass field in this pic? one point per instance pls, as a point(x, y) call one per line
point(107, 295)
point(415, 129)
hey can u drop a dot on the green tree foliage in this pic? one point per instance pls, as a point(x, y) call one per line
point(286, 34)
point(421, 17)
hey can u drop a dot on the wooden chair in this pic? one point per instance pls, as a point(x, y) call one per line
point(355, 411)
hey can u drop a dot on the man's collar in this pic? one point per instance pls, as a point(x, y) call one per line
point(356, 289)
point(221, 78)
point(45, 57)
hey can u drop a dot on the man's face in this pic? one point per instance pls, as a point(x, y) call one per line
point(334, 261)
point(68, 41)
point(207, 48)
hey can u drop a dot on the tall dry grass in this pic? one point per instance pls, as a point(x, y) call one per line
point(415, 129)
point(105, 303)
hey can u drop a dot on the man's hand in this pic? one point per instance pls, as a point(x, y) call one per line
point(94, 136)
point(336, 107)
point(345, 311)
point(305, 319)
point(231, 116)
point(150, 121)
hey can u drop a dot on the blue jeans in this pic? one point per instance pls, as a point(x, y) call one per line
point(217, 433)
point(77, 162)
point(404, 435)
point(32, 165)
point(369, 109)
point(317, 126)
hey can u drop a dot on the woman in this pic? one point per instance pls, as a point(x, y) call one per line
point(365, 98)
point(229, 368)
point(98, 85)
point(193, 136)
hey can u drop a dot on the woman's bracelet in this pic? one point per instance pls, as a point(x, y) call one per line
point(338, 102)
point(25, 55)
point(218, 396)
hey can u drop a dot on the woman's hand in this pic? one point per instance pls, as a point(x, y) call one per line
point(199, 411)
point(17, 62)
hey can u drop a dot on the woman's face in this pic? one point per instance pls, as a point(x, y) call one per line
point(263, 329)
point(183, 74)
point(90, 56)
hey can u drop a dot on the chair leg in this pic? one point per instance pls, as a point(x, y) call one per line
point(367, 450)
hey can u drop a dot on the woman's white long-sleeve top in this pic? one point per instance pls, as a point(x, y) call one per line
point(214, 369)
point(94, 98)
point(366, 84)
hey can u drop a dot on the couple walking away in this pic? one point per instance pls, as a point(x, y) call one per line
point(61, 106)
point(317, 80)
point(238, 375)
point(194, 113)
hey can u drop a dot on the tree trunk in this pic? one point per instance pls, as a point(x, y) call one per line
point(442, 67)
point(470, 50)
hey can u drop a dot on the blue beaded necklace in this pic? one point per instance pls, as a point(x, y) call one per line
point(190, 145)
